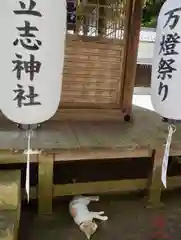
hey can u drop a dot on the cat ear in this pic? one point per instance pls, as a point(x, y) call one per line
point(84, 225)
point(87, 235)
point(85, 228)
point(94, 226)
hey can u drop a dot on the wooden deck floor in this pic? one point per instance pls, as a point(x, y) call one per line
point(145, 132)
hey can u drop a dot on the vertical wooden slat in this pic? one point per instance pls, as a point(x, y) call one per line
point(131, 61)
point(45, 184)
point(128, 11)
point(155, 187)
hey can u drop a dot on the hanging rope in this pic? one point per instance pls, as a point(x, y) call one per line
point(29, 134)
point(171, 131)
point(29, 152)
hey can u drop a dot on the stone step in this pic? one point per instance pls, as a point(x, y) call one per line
point(10, 189)
point(10, 204)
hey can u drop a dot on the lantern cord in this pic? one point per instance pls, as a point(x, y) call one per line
point(29, 145)
point(172, 127)
point(171, 131)
point(29, 134)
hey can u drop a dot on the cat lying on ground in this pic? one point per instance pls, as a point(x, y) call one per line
point(83, 217)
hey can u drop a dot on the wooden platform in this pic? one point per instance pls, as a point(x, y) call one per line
point(85, 140)
point(145, 132)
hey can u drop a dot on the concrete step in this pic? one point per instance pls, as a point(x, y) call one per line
point(10, 204)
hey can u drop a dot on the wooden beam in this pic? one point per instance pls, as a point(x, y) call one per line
point(99, 187)
point(45, 184)
point(101, 154)
point(15, 156)
point(132, 51)
point(119, 186)
point(82, 114)
point(155, 188)
point(7, 157)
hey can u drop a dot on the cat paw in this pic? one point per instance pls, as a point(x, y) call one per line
point(94, 198)
point(102, 212)
point(105, 218)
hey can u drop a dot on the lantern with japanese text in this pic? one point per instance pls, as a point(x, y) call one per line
point(166, 68)
point(32, 58)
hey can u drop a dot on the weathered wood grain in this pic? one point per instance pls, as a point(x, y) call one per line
point(145, 132)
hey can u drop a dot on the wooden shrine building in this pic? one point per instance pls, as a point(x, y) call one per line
point(96, 119)
point(100, 59)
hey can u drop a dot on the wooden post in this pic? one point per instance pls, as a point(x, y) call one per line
point(45, 184)
point(101, 20)
point(131, 56)
point(155, 188)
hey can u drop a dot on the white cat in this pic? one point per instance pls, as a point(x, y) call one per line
point(83, 217)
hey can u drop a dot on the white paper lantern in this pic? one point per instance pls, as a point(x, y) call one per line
point(32, 58)
point(166, 68)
